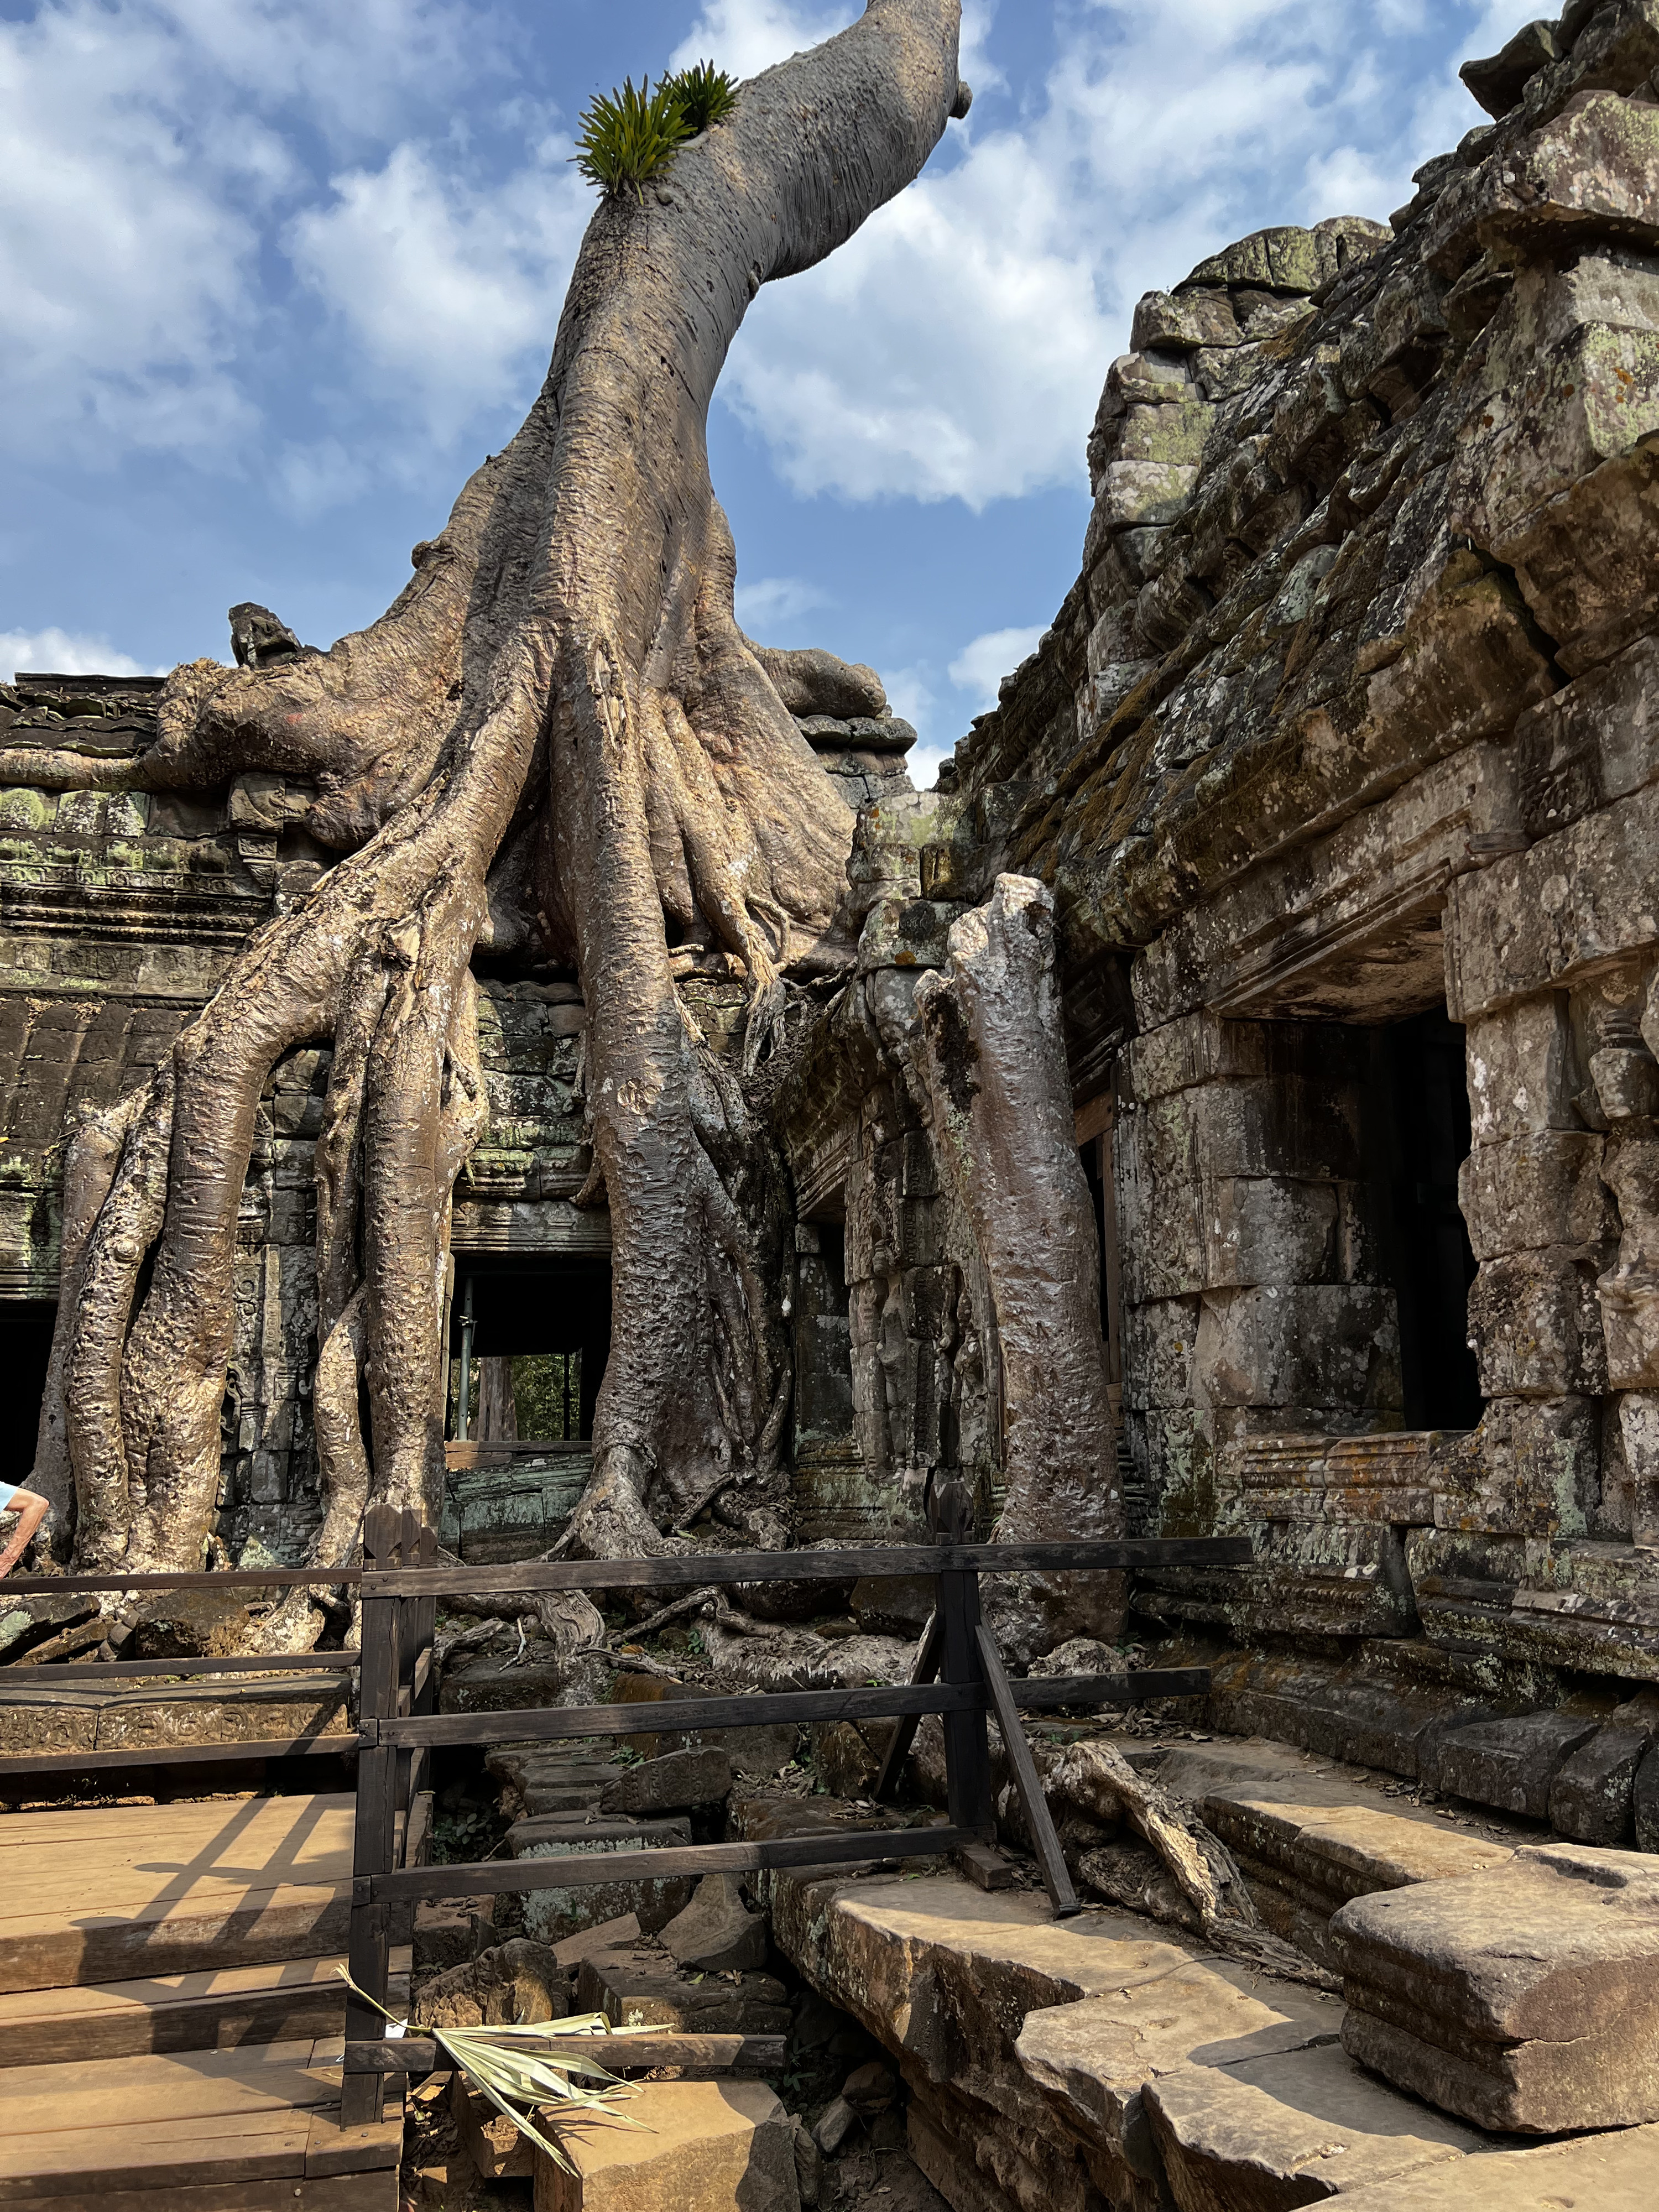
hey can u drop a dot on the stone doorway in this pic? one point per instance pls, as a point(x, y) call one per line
point(1417, 1139)
point(26, 1326)
point(538, 1328)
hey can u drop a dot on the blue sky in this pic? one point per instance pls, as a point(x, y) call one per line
point(275, 274)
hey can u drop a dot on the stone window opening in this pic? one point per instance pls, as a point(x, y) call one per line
point(1416, 1133)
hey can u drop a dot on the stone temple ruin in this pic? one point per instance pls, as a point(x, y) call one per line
point(1338, 771)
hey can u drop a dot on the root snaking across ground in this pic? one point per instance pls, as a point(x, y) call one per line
point(559, 745)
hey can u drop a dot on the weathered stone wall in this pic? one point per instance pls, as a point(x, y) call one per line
point(1347, 720)
point(118, 914)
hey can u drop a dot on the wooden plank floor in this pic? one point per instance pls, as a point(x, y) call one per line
point(143, 1951)
point(77, 2134)
point(117, 1891)
point(207, 2010)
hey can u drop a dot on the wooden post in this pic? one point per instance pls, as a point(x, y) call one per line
point(375, 1830)
point(967, 1747)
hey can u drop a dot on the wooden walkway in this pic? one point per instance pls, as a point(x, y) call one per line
point(170, 2019)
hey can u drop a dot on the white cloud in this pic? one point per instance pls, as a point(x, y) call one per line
point(124, 276)
point(953, 348)
point(747, 36)
point(451, 288)
point(775, 604)
point(153, 147)
point(65, 653)
point(981, 665)
point(956, 347)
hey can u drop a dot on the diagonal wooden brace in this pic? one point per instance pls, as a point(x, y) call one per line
point(1056, 1880)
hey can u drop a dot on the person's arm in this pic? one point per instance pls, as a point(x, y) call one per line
point(31, 1509)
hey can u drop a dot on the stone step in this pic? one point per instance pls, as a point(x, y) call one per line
point(719, 2146)
point(1267, 2130)
point(214, 2008)
point(549, 1915)
point(1525, 1998)
point(1597, 2174)
point(636, 1986)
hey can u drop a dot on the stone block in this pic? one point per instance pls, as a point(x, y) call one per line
point(1175, 1463)
point(1184, 321)
point(514, 1985)
point(1520, 1070)
point(1281, 1125)
point(1525, 1997)
point(1600, 2174)
point(1534, 1321)
point(202, 1624)
point(1267, 1229)
point(1532, 1468)
point(1300, 1345)
point(1387, 1478)
point(1289, 2129)
point(716, 1934)
point(1134, 494)
point(1160, 1341)
point(1511, 1763)
point(1590, 743)
point(1355, 1712)
point(1524, 1192)
point(1591, 1798)
point(1165, 433)
point(550, 1914)
point(639, 1988)
point(716, 2146)
point(672, 1783)
point(451, 1930)
point(1588, 894)
point(495, 2146)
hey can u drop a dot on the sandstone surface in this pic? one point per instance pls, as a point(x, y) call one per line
point(1525, 1997)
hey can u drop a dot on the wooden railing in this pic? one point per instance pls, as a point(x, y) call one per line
point(958, 1674)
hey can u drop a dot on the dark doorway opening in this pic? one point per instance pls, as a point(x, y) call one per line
point(26, 1329)
point(551, 1319)
point(1417, 1131)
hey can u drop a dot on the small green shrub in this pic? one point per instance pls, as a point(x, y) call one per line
point(706, 95)
point(626, 138)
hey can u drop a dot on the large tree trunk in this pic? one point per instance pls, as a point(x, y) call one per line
point(994, 1061)
point(556, 738)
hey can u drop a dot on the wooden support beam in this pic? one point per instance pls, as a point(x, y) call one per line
point(754, 2054)
point(110, 1673)
point(928, 1653)
point(729, 1568)
point(582, 1869)
point(1056, 1880)
point(551, 1723)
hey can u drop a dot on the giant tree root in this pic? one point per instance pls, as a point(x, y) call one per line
point(1186, 1875)
point(558, 746)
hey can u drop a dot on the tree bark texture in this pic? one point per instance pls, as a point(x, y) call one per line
point(557, 745)
point(994, 1061)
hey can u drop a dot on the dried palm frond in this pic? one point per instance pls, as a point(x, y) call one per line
point(521, 2069)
